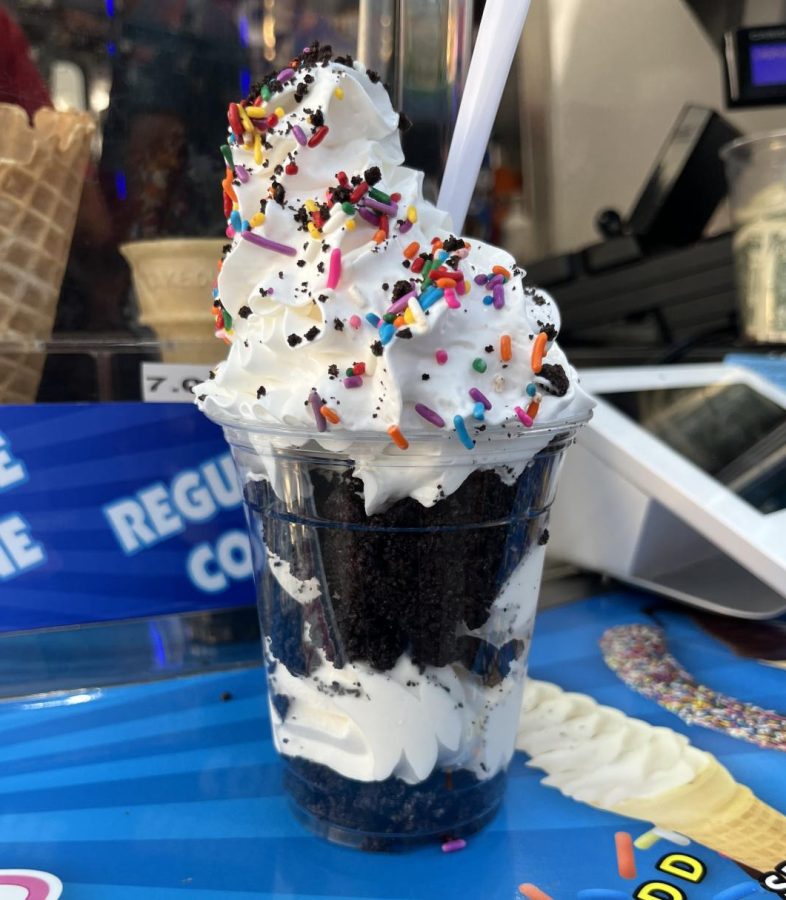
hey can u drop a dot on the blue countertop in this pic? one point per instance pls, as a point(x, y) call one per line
point(170, 790)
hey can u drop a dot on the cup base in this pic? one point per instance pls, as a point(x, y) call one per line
point(391, 816)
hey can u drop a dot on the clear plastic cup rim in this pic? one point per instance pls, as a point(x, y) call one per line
point(346, 442)
point(777, 137)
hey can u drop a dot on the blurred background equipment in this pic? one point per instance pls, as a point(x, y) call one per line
point(679, 486)
point(602, 175)
point(756, 172)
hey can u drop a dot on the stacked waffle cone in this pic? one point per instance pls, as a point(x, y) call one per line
point(594, 753)
point(42, 170)
point(173, 278)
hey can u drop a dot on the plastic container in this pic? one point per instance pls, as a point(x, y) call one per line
point(756, 173)
point(396, 643)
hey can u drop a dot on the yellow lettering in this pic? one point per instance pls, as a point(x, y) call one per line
point(683, 866)
point(659, 890)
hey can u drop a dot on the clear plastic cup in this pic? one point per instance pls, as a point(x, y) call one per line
point(756, 174)
point(396, 643)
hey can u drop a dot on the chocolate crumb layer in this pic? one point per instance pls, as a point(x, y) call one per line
point(392, 581)
point(448, 804)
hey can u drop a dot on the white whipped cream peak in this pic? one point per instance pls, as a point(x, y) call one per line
point(597, 754)
point(297, 325)
point(405, 722)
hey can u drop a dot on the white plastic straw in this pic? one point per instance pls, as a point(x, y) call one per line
point(498, 37)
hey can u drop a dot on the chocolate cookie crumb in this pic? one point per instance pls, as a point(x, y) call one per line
point(557, 381)
point(281, 704)
point(372, 176)
point(453, 243)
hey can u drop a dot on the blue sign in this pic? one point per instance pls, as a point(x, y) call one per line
point(113, 511)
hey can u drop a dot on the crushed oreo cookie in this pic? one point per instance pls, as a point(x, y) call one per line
point(556, 381)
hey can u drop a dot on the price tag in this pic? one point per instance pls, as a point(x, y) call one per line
point(171, 382)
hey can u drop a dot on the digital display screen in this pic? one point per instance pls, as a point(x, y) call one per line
point(768, 64)
point(729, 431)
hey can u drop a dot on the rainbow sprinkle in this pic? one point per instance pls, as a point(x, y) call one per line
point(316, 405)
point(538, 350)
point(626, 855)
point(480, 397)
point(318, 136)
point(268, 244)
point(397, 437)
point(429, 415)
point(453, 846)
point(334, 271)
point(330, 414)
point(531, 892)
point(463, 435)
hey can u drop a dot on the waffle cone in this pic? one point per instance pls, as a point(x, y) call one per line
point(716, 811)
point(42, 170)
point(173, 279)
point(20, 372)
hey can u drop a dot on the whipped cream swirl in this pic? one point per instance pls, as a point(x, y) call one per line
point(330, 234)
point(597, 754)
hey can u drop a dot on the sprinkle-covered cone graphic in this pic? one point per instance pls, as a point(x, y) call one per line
point(42, 170)
point(716, 811)
point(173, 279)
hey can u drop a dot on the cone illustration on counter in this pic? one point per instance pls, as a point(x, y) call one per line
point(42, 170)
point(173, 279)
point(597, 755)
point(718, 812)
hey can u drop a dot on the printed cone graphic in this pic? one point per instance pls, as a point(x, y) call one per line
point(716, 811)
